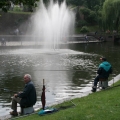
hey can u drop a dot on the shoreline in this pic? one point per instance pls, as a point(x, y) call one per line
point(36, 44)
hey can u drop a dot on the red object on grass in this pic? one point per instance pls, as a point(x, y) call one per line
point(43, 96)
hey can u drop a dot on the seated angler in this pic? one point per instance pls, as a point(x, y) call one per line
point(103, 72)
point(27, 98)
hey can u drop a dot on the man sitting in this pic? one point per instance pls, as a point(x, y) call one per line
point(103, 72)
point(27, 98)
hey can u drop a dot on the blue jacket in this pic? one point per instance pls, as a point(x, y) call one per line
point(104, 69)
point(28, 96)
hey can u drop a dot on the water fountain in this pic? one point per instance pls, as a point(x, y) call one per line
point(53, 24)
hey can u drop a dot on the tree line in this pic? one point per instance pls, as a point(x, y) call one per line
point(105, 13)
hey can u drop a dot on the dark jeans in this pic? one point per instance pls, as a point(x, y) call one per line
point(96, 80)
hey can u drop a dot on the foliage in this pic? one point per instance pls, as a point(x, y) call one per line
point(92, 18)
point(25, 2)
point(75, 2)
point(84, 29)
point(5, 4)
point(17, 9)
point(111, 14)
point(91, 9)
point(105, 13)
point(81, 23)
point(89, 15)
point(85, 11)
point(91, 4)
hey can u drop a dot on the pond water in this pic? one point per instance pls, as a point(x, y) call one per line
point(66, 71)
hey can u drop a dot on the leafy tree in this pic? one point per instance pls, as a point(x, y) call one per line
point(75, 2)
point(85, 11)
point(91, 4)
point(111, 14)
point(25, 2)
point(5, 4)
point(81, 23)
point(92, 18)
point(89, 15)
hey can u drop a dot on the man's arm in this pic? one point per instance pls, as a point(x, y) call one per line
point(26, 91)
point(99, 71)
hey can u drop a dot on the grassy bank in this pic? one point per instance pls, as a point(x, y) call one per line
point(103, 105)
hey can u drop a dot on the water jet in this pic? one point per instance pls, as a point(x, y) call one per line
point(53, 24)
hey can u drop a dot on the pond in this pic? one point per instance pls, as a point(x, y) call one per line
point(66, 71)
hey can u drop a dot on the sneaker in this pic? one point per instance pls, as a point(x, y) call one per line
point(14, 113)
point(103, 88)
point(93, 90)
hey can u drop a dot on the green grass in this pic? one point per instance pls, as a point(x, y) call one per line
point(77, 30)
point(94, 28)
point(103, 105)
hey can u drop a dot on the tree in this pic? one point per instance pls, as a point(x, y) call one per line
point(75, 2)
point(89, 15)
point(47, 1)
point(92, 18)
point(111, 15)
point(91, 4)
point(5, 4)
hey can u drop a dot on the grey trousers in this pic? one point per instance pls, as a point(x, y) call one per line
point(15, 100)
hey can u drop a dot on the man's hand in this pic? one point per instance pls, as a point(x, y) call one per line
point(15, 95)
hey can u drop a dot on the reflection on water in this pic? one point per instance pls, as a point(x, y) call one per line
point(66, 72)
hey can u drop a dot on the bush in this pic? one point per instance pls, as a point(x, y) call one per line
point(81, 23)
point(17, 8)
point(92, 18)
point(84, 29)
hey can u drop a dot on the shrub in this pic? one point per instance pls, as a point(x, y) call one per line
point(81, 23)
point(84, 29)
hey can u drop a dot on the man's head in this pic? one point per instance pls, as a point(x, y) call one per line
point(27, 78)
point(103, 59)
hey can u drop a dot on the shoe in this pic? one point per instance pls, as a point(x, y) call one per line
point(14, 113)
point(93, 90)
point(103, 88)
